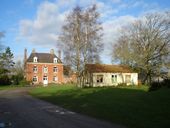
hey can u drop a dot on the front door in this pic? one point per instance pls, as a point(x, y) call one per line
point(45, 80)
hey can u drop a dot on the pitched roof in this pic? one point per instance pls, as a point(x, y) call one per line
point(43, 57)
point(98, 68)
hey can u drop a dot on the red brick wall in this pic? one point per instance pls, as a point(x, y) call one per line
point(40, 73)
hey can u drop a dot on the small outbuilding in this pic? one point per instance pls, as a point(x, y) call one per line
point(108, 75)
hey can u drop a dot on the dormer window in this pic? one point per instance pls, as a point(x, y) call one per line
point(35, 59)
point(55, 60)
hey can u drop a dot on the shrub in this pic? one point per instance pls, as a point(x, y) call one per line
point(16, 79)
point(166, 83)
point(157, 85)
point(5, 80)
point(24, 82)
point(52, 84)
point(122, 84)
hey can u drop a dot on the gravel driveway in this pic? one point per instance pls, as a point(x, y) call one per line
point(19, 110)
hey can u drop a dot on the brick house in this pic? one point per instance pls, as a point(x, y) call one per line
point(43, 68)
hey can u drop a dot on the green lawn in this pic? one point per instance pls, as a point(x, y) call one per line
point(5, 87)
point(133, 107)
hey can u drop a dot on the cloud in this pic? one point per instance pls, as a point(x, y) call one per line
point(112, 27)
point(112, 30)
point(106, 10)
point(116, 1)
point(139, 5)
point(43, 30)
point(2, 34)
point(46, 26)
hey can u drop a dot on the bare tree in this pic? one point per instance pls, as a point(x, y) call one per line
point(81, 38)
point(18, 72)
point(148, 42)
point(122, 50)
point(19, 68)
point(92, 36)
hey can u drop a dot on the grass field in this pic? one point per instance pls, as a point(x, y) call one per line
point(5, 87)
point(133, 107)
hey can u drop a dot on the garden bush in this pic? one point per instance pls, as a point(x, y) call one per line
point(158, 85)
point(5, 80)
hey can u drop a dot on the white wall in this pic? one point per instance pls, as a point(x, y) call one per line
point(107, 79)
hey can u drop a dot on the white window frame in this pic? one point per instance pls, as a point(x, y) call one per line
point(36, 77)
point(35, 59)
point(55, 60)
point(46, 78)
point(99, 78)
point(114, 78)
point(55, 69)
point(55, 78)
point(45, 69)
point(35, 69)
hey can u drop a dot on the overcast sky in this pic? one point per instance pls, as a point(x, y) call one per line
point(37, 23)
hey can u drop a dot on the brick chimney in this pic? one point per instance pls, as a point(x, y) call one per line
point(25, 61)
point(59, 54)
point(33, 50)
point(25, 55)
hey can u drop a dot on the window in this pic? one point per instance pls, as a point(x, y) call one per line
point(35, 79)
point(45, 70)
point(55, 69)
point(45, 78)
point(35, 59)
point(35, 69)
point(99, 78)
point(128, 78)
point(55, 60)
point(55, 78)
point(114, 78)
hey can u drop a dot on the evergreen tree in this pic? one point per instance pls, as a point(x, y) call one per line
point(6, 65)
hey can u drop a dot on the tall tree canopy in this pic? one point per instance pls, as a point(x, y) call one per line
point(6, 66)
point(145, 43)
point(18, 70)
point(6, 60)
point(81, 37)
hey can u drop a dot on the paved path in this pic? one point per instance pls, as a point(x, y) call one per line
point(19, 110)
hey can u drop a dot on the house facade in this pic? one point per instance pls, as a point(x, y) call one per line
point(43, 68)
point(109, 75)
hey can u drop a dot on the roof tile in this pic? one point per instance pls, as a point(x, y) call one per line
point(96, 68)
point(43, 57)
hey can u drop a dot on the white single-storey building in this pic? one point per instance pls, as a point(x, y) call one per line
point(109, 75)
